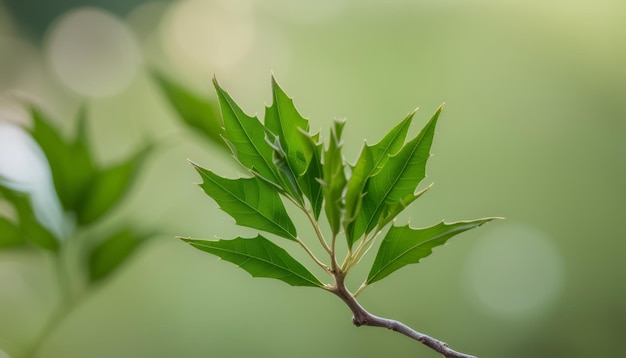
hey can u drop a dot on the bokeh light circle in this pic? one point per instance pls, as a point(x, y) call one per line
point(92, 52)
point(307, 12)
point(205, 35)
point(515, 272)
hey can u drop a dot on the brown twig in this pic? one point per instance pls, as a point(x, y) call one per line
point(362, 317)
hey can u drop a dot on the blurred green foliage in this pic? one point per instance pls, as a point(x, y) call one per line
point(86, 192)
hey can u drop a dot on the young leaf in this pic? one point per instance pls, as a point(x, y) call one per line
point(397, 180)
point(250, 201)
point(246, 137)
point(261, 258)
point(285, 173)
point(109, 186)
point(111, 253)
point(404, 245)
point(29, 227)
point(334, 178)
point(198, 113)
point(70, 163)
point(371, 160)
point(309, 182)
point(9, 234)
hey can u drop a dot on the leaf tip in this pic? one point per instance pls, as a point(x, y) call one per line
point(202, 171)
point(216, 84)
point(194, 164)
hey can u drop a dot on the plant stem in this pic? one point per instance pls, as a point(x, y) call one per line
point(346, 259)
point(357, 256)
point(66, 304)
point(361, 317)
point(312, 255)
point(318, 232)
point(59, 314)
point(360, 289)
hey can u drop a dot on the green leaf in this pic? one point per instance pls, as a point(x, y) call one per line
point(111, 253)
point(261, 258)
point(285, 173)
point(9, 234)
point(309, 182)
point(391, 211)
point(282, 119)
point(334, 178)
point(371, 160)
point(198, 113)
point(397, 180)
point(250, 201)
point(404, 245)
point(109, 186)
point(70, 162)
point(245, 136)
point(29, 226)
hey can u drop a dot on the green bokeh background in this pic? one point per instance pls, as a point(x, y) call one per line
point(534, 129)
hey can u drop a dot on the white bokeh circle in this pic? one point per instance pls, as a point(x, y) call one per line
point(92, 52)
point(515, 271)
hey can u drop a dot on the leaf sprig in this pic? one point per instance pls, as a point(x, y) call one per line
point(359, 201)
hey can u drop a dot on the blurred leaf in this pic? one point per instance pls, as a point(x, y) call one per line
point(250, 201)
point(334, 177)
point(109, 186)
point(111, 253)
point(245, 136)
point(397, 180)
point(82, 187)
point(29, 227)
point(404, 245)
point(9, 234)
point(70, 163)
point(371, 160)
point(261, 258)
point(198, 113)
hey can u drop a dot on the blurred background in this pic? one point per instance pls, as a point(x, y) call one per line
point(534, 130)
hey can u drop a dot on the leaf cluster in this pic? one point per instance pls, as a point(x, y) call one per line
point(359, 201)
